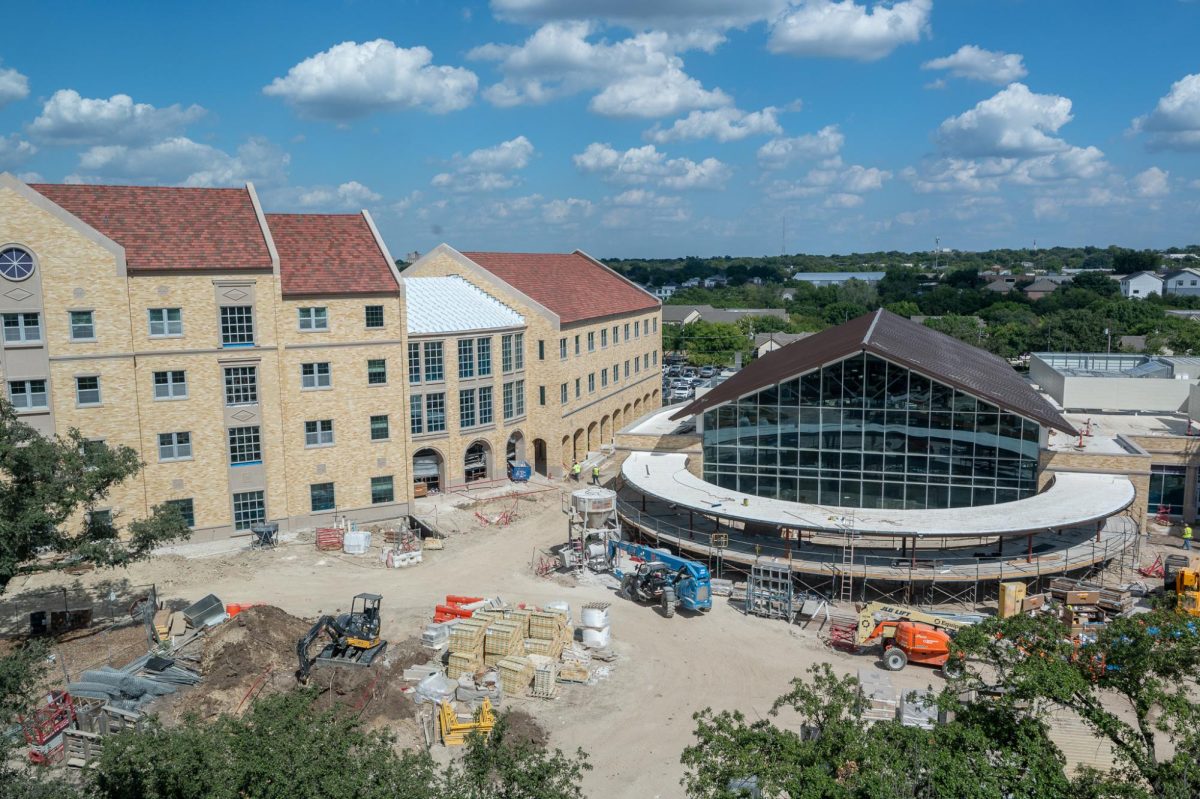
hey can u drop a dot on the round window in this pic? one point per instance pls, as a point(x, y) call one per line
point(15, 263)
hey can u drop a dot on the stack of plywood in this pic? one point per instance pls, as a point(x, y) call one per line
point(516, 673)
point(502, 638)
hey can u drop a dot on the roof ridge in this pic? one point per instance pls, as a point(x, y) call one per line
point(871, 329)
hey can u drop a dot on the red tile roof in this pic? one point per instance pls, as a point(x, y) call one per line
point(170, 228)
point(571, 285)
point(329, 254)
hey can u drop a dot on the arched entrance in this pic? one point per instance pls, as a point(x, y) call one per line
point(578, 446)
point(429, 469)
point(515, 449)
point(605, 429)
point(593, 440)
point(616, 421)
point(568, 452)
point(628, 411)
point(477, 462)
point(637, 407)
point(539, 458)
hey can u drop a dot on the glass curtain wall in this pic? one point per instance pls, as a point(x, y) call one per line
point(867, 433)
point(1166, 489)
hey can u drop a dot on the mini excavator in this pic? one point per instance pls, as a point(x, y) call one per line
point(354, 638)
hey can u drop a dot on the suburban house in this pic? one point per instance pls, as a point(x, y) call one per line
point(1185, 282)
point(1141, 284)
point(1040, 288)
point(664, 292)
point(769, 342)
point(838, 278)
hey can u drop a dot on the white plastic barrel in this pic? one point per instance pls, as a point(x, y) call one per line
point(594, 617)
point(596, 638)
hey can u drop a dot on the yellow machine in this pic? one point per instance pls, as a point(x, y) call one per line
point(353, 638)
point(455, 731)
point(1187, 591)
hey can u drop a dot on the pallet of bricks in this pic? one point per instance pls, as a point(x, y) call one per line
point(1088, 607)
point(466, 646)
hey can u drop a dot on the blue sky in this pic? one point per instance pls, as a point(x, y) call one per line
point(635, 127)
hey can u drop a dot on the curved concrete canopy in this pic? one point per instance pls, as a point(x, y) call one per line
point(1071, 501)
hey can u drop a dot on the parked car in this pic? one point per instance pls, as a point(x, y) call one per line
point(707, 371)
point(674, 371)
point(689, 371)
point(680, 394)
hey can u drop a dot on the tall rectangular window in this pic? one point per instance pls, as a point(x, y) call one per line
point(22, 328)
point(578, 392)
point(87, 390)
point(313, 318)
point(435, 412)
point(485, 405)
point(576, 343)
point(637, 365)
point(591, 382)
point(382, 490)
point(170, 385)
point(655, 326)
point(83, 326)
point(416, 418)
point(186, 508)
point(373, 316)
point(237, 325)
point(434, 368)
point(636, 330)
point(616, 373)
point(245, 445)
point(167, 322)
point(591, 341)
point(616, 335)
point(509, 409)
point(603, 337)
point(541, 395)
point(603, 378)
point(483, 348)
point(541, 349)
point(506, 354)
point(654, 357)
point(562, 349)
point(466, 358)
point(376, 371)
point(241, 385)
point(315, 375)
point(519, 397)
point(318, 433)
point(27, 394)
point(627, 331)
point(562, 394)
point(466, 408)
point(519, 351)
point(645, 327)
point(249, 509)
point(627, 370)
point(379, 428)
point(321, 497)
point(174, 446)
point(646, 361)
point(414, 363)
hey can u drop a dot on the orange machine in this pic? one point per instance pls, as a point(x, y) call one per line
point(907, 635)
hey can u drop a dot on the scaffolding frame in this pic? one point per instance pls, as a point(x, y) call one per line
point(770, 592)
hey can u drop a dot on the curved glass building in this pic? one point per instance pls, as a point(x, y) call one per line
point(880, 412)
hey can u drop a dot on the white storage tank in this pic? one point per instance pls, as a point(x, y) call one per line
point(596, 506)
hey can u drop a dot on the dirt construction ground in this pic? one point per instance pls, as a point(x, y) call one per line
point(633, 725)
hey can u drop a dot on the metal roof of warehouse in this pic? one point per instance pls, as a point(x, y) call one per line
point(451, 304)
point(901, 341)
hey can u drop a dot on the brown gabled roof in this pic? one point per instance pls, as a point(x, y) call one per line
point(572, 285)
point(329, 254)
point(901, 341)
point(170, 228)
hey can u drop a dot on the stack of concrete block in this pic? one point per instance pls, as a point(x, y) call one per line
point(516, 673)
point(501, 639)
point(520, 616)
point(466, 647)
point(883, 701)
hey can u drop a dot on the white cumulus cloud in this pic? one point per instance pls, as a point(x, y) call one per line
point(67, 118)
point(1153, 182)
point(486, 169)
point(723, 124)
point(648, 165)
point(779, 153)
point(1013, 122)
point(846, 29)
point(666, 14)
point(641, 76)
point(13, 86)
point(975, 63)
point(1174, 124)
point(181, 161)
point(351, 194)
point(14, 151)
point(351, 80)
point(569, 210)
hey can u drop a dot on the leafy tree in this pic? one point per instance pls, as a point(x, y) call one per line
point(964, 328)
point(904, 308)
point(501, 767)
point(839, 312)
point(900, 284)
point(762, 324)
point(1126, 262)
point(45, 483)
point(1096, 282)
point(712, 342)
point(1135, 686)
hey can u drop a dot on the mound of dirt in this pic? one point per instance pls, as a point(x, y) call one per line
point(523, 728)
point(258, 640)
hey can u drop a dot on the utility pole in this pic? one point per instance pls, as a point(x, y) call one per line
point(937, 248)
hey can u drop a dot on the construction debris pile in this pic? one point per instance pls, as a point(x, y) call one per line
point(483, 650)
point(1084, 607)
point(399, 546)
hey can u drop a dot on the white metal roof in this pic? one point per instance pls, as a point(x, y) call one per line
point(450, 304)
point(1073, 500)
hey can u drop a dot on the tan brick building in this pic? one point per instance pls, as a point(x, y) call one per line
point(270, 367)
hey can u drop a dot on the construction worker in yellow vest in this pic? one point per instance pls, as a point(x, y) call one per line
point(596, 475)
point(575, 470)
point(1187, 537)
